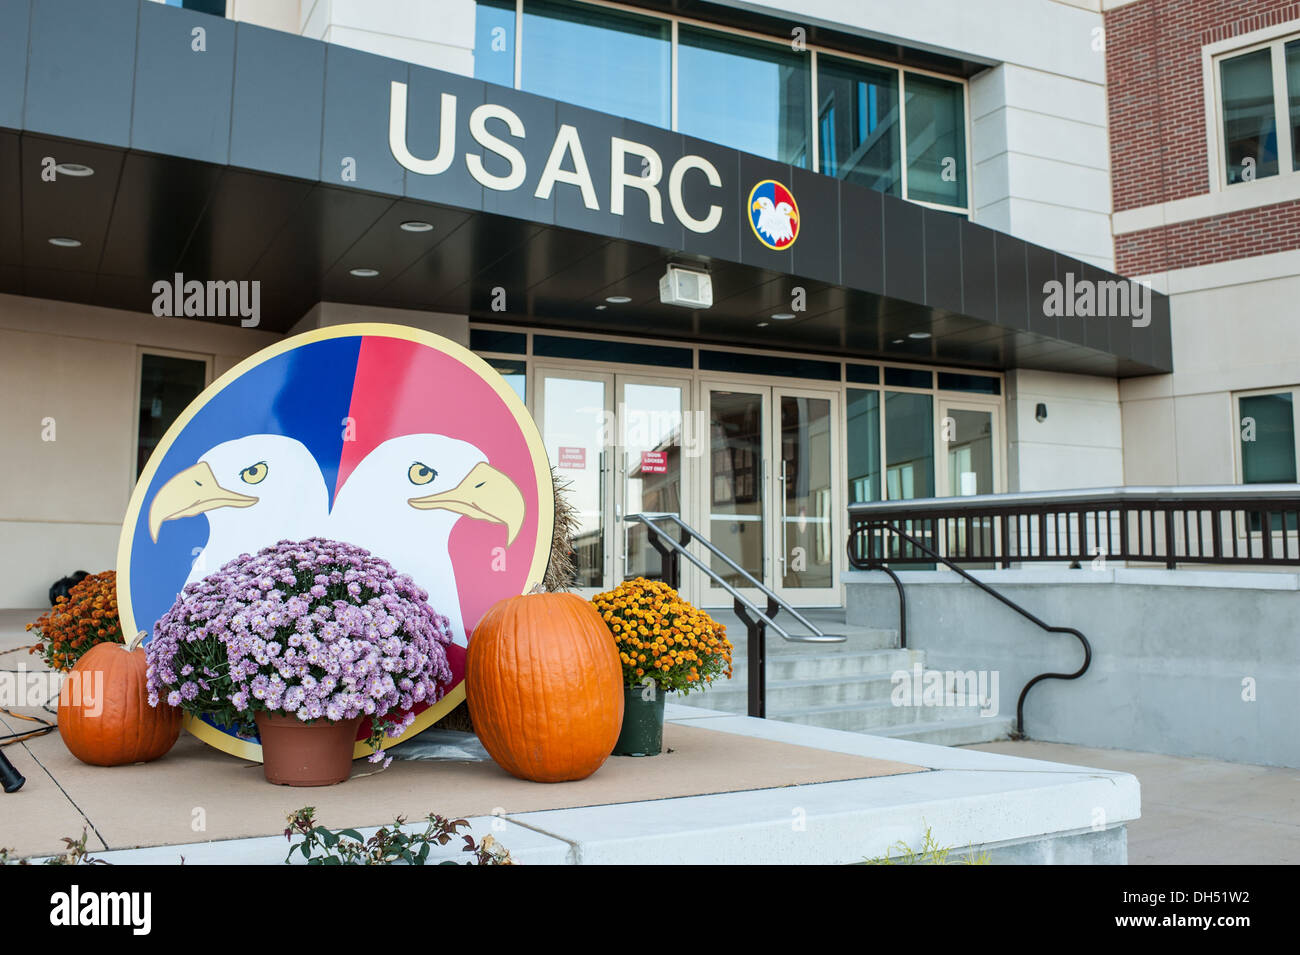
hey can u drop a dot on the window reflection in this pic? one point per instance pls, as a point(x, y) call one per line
point(514, 372)
point(858, 123)
point(607, 61)
point(494, 42)
point(1249, 121)
point(167, 386)
point(745, 94)
point(936, 141)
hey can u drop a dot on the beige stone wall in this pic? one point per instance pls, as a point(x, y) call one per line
point(1234, 330)
point(62, 501)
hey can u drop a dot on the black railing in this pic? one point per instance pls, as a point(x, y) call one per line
point(1158, 525)
point(1199, 525)
point(673, 547)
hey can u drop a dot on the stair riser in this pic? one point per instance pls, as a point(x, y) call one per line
point(813, 667)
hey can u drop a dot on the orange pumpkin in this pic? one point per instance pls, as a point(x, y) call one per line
point(104, 714)
point(545, 687)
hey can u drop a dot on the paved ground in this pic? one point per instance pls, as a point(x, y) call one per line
point(1195, 811)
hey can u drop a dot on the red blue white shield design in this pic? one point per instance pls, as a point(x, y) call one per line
point(307, 431)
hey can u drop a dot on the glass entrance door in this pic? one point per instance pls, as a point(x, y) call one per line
point(968, 466)
point(622, 445)
point(656, 441)
point(575, 413)
point(770, 491)
point(733, 503)
point(806, 546)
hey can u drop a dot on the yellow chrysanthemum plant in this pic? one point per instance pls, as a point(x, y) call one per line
point(662, 638)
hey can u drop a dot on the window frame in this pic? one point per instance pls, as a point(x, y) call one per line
point(208, 360)
point(814, 107)
point(1238, 463)
point(1274, 39)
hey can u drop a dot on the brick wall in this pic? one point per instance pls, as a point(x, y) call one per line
point(1157, 130)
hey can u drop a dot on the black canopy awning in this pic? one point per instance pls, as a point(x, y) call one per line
point(240, 153)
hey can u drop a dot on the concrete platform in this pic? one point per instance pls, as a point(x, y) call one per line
point(1195, 811)
point(1017, 809)
point(831, 808)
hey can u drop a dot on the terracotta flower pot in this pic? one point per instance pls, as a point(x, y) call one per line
point(295, 753)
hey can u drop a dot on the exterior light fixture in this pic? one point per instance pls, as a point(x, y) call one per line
point(73, 169)
point(783, 316)
point(63, 242)
point(618, 299)
point(686, 287)
point(364, 273)
point(416, 226)
point(918, 335)
point(1040, 412)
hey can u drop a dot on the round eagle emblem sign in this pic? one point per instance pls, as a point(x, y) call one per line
point(773, 215)
point(386, 437)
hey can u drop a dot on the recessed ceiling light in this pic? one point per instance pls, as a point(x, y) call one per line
point(417, 226)
point(783, 316)
point(762, 324)
point(897, 341)
point(601, 308)
point(364, 273)
point(618, 300)
point(918, 334)
point(63, 242)
point(74, 169)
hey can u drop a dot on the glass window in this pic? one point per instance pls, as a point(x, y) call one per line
point(1293, 98)
point(858, 124)
point(494, 42)
point(745, 94)
point(863, 413)
point(936, 141)
point(167, 386)
point(1268, 445)
point(216, 8)
point(909, 454)
point(1249, 120)
point(600, 59)
point(515, 374)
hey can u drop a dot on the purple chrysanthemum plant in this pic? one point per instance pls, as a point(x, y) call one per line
point(316, 628)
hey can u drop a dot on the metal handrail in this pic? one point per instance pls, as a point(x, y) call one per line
point(1102, 495)
point(817, 635)
point(874, 563)
point(756, 621)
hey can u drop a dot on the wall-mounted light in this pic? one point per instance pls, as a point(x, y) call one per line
point(1040, 412)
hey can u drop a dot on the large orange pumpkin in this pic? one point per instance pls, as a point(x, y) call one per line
point(545, 687)
point(104, 714)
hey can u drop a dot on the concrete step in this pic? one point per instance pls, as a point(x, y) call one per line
point(783, 695)
point(984, 729)
point(869, 717)
point(812, 664)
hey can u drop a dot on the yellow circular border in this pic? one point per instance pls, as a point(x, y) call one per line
point(246, 749)
point(749, 215)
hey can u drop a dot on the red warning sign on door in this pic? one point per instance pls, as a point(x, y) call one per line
point(654, 462)
point(573, 459)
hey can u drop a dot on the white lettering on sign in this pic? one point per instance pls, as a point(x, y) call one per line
point(647, 182)
point(566, 163)
point(397, 134)
point(680, 168)
point(654, 462)
point(567, 141)
point(573, 459)
point(478, 129)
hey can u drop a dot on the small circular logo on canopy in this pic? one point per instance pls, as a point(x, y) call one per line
point(773, 215)
point(386, 437)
